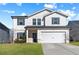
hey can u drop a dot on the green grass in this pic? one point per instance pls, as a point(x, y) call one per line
point(75, 43)
point(21, 49)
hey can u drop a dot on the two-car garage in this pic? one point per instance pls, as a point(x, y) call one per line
point(53, 36)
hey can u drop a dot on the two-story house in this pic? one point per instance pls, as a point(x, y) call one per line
point(45, 26)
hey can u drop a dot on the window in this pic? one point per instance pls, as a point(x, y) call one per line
point(39, 21)
point(34, 21)
point(20, 21)
point(55, 20)
point(20, 35)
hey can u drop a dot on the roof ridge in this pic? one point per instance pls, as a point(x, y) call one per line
point(41, 11)
point(34, 12)
point(56, 12)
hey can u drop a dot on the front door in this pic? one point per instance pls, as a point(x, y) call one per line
point(34, 36)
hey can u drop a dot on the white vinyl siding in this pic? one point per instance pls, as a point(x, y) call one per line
point(37, 16)
point(62, 22)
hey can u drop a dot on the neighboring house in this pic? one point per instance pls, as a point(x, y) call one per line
point(4, 34)
point(44, 26)
point(74, 30)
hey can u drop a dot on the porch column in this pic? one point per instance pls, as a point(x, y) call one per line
point(67, 37)
point(26, 36)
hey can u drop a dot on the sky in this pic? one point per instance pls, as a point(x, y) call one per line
point(21, 9)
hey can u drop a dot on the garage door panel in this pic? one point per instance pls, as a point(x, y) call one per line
point(52, 37)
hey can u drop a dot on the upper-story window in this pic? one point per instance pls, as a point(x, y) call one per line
point(20, 21)
point(38, 21)
point(34, 21)
point(55, 20)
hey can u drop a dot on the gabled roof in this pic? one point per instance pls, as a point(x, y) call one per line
point(18, 16)
point(58, 13)
point(46, 9)
point(33, 13)
point(73, 23)
point(3, 27)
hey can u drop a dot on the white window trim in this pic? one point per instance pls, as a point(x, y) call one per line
point(53, 21)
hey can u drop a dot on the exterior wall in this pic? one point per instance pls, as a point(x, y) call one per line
point(63, 20)
point(28, 22)
point(74, 30)
point(17, 27)
point(4, 36)
point(55, 30)
point(74, 33)
point(39, 15)
point(15, 33)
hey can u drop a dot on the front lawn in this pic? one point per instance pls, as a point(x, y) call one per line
point(75, 43)
point(21, 49)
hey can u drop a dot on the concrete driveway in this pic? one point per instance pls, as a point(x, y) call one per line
point(60, 49)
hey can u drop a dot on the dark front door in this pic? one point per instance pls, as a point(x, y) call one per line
point(34, 36)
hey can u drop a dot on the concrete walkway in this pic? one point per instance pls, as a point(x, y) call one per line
point(60, 49)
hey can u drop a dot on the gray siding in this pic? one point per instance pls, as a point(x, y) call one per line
point(74, 30)
point(4, 34)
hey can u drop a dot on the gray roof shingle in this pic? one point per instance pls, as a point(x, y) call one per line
point(3, 27)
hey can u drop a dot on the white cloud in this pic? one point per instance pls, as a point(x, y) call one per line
point(8, 11)
point(3, 4)
point(76, 17)
point(70, 13)
point(23, 14)
point(53, 5)
point(74, 8)
point(19, 4)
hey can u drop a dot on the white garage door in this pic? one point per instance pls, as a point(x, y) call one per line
point(52, 37)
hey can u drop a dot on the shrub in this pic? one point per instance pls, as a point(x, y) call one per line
point(20, 40)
